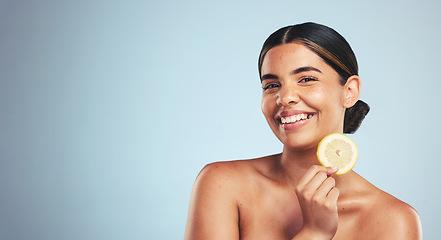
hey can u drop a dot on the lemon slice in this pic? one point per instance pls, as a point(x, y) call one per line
point(338, 150)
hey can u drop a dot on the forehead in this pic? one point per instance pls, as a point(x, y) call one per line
point(291, 56)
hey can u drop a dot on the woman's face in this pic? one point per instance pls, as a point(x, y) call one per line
point(303, 100)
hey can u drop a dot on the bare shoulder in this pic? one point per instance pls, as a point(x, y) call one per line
point(225, 168)
point(226, 172)
point(233, 172)
point(213, 211)
point(394, 219)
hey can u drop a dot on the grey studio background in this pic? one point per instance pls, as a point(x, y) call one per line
point(109, 109)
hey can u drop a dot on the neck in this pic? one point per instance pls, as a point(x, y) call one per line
point(294, 164)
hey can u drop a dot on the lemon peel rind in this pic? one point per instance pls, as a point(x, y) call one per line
point(329, 138)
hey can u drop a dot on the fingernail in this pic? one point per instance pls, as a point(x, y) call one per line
point(334, 168)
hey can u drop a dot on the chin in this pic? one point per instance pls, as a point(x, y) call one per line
point(300, 143)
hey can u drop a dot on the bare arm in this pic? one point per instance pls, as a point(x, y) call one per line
point(213, 212)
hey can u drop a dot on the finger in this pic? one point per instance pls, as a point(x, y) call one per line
point(333, 194)
point(321, 174)
point(311, 173)
point(325, 188)
point(331, 170)
point(316, 181)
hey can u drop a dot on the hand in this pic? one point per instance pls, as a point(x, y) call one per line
point(317, 197)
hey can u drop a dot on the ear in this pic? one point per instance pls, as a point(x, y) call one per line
point(351, 91)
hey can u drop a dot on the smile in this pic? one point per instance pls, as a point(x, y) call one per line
point(295, 118)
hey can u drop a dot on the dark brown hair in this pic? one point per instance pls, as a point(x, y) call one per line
point(333, 49)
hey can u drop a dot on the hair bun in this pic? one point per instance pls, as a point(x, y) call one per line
point(354, 116)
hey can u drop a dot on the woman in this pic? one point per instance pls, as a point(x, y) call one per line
point(310, 82)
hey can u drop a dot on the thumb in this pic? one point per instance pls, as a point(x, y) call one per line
point(331, 170)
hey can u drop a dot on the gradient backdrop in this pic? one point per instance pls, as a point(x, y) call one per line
point(109, 109)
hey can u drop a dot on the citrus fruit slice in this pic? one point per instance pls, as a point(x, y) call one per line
point(337, 149)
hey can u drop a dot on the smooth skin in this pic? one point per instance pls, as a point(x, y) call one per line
point(289, 195)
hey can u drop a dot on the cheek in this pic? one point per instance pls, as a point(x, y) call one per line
point(316, 98)
point(266, 107)
point(323, 98)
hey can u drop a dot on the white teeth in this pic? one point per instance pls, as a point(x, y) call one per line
point(295, 118)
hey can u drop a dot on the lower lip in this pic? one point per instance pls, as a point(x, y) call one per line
point(295, 125)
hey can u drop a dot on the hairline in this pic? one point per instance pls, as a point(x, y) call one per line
point(317, 49)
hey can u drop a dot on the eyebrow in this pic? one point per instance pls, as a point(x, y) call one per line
point(296, 71)
point(305, 69)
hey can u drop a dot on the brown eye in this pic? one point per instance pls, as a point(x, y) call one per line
point(308, 79)
point(270, 86)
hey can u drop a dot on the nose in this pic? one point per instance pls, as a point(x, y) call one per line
point(288, 95)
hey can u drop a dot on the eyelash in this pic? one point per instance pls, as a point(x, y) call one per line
point(303, 80)
point(308, 79)
point(269, 86)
